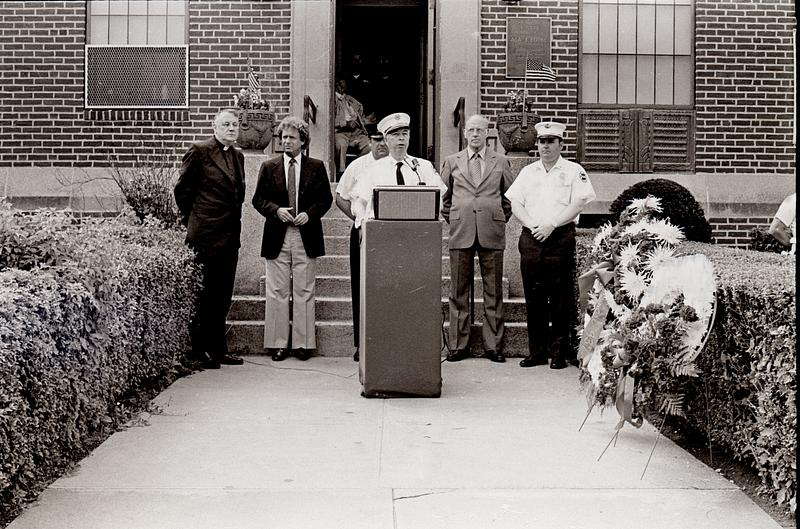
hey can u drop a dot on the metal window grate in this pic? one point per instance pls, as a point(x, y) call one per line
point(137, 76)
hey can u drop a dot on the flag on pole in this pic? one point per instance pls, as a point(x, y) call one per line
point(538, 71)
point(254, 84)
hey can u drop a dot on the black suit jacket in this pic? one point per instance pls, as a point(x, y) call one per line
point(314, 198)
point(210, 196)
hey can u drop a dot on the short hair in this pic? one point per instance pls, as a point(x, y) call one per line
point(295, 123)
point(233, 111)
point(484, 121)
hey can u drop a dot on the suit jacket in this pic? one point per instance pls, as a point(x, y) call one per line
point(482, 209)
point(210, 196)
point(313, 197)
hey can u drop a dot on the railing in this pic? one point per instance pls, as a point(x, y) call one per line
point(309, 116)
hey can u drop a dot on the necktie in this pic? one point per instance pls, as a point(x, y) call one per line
point(400, 180)
point(475, 169)
point(292, 186)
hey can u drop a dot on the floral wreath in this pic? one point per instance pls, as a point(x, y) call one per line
point(648, 315)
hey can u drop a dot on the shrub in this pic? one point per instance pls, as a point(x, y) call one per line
point(762, 241)
point(679, 206)
point(80, 334)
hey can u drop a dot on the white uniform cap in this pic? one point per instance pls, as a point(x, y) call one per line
point(551, 129)
point(394, 122)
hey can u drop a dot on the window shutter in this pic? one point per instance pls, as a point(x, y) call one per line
point(598, 140)
point(673, 140)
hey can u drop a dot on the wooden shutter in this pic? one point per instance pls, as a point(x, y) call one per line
point(598, 140)
point(673, 140)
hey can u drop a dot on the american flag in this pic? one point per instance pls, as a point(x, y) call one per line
point(538, 71)
point(254, 84)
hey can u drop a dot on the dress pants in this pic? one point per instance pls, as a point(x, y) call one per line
point(292, 271)
point(214, 301)
point(355, 279)
point(548, 279)
point(462, 272)
point(344, 140)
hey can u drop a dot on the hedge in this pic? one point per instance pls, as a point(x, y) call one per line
point(744, 399)
point(90, 315)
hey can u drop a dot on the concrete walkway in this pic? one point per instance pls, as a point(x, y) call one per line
point(294, 446)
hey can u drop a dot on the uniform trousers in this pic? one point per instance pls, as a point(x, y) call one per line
point(214, 301)
point(292, 271)
point(355, 279)
point(462, 272)
point(548, 279)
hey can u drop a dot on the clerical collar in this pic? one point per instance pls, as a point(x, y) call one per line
point(222, 146)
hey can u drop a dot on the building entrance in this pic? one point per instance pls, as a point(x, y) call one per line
point(381, 52)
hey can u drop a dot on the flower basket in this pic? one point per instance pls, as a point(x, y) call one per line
point(255, 129)
point(513, 136)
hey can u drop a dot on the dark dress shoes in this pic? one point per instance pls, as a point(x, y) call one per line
point(280, 354)
point(302, 354)
point(495, 356)
point(208, 361)
point(457, 355)
point(355, 355)
point(231, 360)
point(558, 363)
point(533, 360)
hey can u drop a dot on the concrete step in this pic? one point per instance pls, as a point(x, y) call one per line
point(335, 338)
point(340, 245)
point(251, 308)
point(338, 286)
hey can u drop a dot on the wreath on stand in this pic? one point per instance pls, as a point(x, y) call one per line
point(648, 313)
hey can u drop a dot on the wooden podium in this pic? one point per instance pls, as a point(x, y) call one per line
point(401, 309)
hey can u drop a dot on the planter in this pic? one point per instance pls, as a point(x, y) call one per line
point(255, 129)
point(512, 135)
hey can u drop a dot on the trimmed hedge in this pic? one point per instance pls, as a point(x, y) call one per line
point(88, 318)
point(744, 399)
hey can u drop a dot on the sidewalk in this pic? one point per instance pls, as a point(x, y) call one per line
point(294, 446)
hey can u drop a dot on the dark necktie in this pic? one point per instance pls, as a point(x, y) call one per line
point(292, 186)
point(475, 169)
point(400, 180)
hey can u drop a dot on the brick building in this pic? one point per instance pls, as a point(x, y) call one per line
point(699, 92)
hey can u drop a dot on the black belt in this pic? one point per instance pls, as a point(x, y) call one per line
point(559, 229)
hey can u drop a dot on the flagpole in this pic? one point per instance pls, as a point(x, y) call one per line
point(524, 125)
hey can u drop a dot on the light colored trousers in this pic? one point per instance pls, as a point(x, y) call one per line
point(292, 271)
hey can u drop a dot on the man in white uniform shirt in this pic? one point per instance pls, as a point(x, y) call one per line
point(396, 169)
point(352, 174)
point(547, 197)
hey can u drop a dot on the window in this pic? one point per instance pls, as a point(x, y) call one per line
point(637, 85)
point(136, 54)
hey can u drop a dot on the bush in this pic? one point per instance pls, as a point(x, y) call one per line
point(87, 324)
point(679, 206)
point(762, 241)
point(744, 399)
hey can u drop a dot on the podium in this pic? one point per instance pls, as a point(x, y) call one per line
point(400, 338)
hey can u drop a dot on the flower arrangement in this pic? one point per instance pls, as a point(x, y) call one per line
point(250, 98)
point(648, 315)
point(517, 101)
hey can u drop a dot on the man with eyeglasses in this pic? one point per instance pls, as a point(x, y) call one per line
point(352, 174)
point(547, 198)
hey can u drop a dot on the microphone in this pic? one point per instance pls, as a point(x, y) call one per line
point(414, 164)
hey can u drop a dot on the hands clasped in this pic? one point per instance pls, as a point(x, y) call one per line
point(542, 231)
point(285, 214)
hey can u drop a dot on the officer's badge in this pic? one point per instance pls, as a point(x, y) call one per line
point(582, 175)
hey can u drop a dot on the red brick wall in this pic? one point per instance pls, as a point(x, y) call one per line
point(556, 102)
point(735, 231)
point(44, 122)
point(744, 86)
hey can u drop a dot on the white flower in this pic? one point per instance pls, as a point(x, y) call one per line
point(632, 284)
point(637, 227)
point(604, 232)
point(621, 312)
point(595, 366)
point(628, 255)
point(647, 204)
point(665, 231)
point(658, 256)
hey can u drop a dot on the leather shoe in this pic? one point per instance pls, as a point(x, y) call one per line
point(279, 354)
point(533, 360)
point(457, 355)
point(355, 355)
point(557, 363)
point(302, 354)
point(495, 356)
point(231, 360)
point(207, 361)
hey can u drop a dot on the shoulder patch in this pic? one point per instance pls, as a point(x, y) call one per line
point(583, 177)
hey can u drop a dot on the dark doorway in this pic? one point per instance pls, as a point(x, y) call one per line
point(381, 53)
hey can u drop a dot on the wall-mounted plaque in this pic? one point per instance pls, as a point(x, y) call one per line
point(526, 38)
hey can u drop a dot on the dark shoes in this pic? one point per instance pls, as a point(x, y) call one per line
point(533, 360)
point(558, 363)
point(355, 355)
point(279, 354)
point(495, 356)
point(230, 360)
point(302, 354)
point(207, 361)
point(457, 355)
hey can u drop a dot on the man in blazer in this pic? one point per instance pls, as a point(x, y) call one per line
point(293, 200)
point(477, 210)
point(209, 194)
